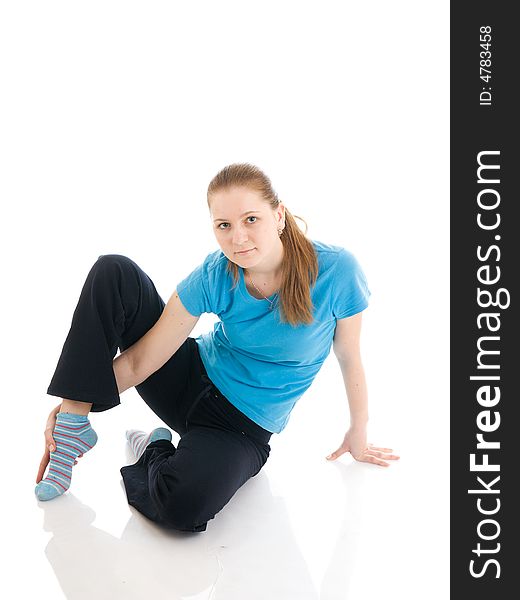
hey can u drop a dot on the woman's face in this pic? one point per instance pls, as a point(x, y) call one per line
point(251, 239)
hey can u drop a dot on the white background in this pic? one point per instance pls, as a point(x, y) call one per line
point(114, 117)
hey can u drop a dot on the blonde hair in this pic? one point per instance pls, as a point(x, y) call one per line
point(299, 268)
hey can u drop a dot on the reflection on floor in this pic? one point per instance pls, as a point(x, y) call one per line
point(303, 528)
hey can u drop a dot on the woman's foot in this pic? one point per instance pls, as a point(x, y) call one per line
point(138, 439)
point(74, 436)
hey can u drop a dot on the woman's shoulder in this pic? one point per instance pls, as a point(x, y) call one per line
point(214, 269)
point(330, 254)
point(323, 248)
point(336, 262)
point(210, 267)
point(215, 259)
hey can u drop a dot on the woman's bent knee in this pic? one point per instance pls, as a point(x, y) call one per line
point(108, 260)
point(111, 265)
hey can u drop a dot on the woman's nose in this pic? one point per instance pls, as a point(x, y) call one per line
point(239, 236)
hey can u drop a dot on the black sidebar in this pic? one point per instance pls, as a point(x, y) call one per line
point(485, 270)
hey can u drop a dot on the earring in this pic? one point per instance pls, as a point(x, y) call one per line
point(280, 231)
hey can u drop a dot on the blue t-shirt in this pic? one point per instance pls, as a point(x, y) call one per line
point(261, 365)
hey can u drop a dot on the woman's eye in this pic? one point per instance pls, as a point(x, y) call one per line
point(222, 228)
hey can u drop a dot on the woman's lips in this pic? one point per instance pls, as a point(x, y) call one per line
point(246, 251)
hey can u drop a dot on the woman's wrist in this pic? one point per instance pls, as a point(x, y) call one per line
point(358, 421)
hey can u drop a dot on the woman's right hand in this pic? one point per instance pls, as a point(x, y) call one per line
point(50, 444)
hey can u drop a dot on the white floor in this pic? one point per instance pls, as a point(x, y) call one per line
point(115, 120)
point(303, 528)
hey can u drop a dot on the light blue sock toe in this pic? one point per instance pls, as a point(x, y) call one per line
point(139, 440)
point(161, 433)
point(45, 491)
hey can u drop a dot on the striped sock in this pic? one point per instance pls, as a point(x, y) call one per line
point(73, 436)
point(138, 439)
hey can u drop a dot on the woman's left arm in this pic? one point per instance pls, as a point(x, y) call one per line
point(346, 346)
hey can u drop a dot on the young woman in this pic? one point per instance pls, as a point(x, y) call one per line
point(283, 301)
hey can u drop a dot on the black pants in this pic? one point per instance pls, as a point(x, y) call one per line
point(220, 448)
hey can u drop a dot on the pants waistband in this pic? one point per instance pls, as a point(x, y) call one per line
point(249, 427)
